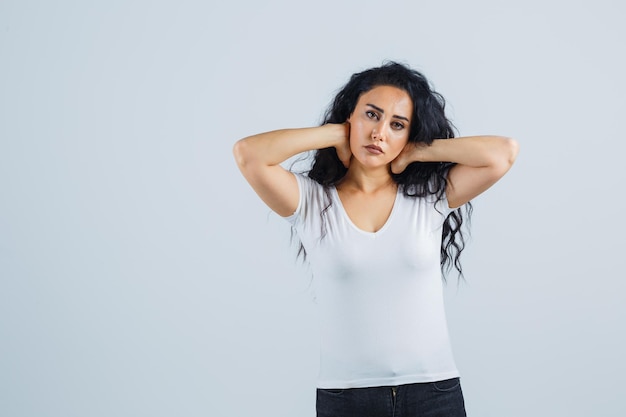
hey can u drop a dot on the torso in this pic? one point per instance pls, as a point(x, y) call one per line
point(377, 283)
point(368, 211)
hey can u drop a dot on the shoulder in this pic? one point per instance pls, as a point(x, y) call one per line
point(437, 201)
point(429, 211)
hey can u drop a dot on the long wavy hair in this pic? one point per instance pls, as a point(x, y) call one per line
point(419, 179)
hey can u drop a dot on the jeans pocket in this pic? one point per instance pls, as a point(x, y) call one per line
point(446, 385)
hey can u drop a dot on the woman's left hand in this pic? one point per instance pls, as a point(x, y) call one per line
point(409, 154)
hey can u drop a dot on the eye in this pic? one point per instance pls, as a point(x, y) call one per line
point(371, 115)
point(397, 125)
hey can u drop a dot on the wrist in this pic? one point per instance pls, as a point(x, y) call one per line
point(419, 152)
point(337, 134)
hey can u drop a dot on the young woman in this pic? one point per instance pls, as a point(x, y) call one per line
point(379, 217)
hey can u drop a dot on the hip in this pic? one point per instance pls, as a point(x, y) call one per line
point(425, 399)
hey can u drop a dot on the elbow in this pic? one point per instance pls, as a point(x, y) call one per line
point(508, 153)
point(241, 152)
point(506, 156)
point(512, 147)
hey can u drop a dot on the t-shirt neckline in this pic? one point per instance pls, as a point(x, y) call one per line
point(347, 218)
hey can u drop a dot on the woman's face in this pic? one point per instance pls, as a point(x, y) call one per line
point(379, 125)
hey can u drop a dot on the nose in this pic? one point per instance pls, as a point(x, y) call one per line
point(377, 131)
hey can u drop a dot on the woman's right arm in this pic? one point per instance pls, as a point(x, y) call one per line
point(259, 158)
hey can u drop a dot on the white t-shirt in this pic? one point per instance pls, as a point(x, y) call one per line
point(379, 295)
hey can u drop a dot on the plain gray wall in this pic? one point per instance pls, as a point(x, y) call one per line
point(141, 276)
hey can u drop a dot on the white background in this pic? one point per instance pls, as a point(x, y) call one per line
point(141, 276)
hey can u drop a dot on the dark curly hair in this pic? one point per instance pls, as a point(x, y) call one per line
point(419, 179)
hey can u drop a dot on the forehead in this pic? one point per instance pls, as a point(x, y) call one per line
point(388, 98)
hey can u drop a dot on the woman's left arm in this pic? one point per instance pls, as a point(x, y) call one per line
point(480, 162)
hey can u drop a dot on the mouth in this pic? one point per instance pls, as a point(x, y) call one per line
point(374, 149)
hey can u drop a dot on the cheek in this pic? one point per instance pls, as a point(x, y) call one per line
point(400, 143)
point(356, 131)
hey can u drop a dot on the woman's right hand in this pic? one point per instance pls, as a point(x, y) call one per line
point(342, 131)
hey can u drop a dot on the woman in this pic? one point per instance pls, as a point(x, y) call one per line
point(379, 217)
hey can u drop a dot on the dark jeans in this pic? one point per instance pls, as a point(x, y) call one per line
point(426, 399)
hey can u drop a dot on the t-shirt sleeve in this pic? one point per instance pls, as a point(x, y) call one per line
point(306, 219)
point(304, 189)
point(442, 206)
point(442, 210)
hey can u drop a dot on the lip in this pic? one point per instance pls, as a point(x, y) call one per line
point(374, 149)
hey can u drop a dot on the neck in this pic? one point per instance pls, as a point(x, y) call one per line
point(368, 181)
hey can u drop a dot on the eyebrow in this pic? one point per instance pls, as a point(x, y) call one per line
point(382, 111)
